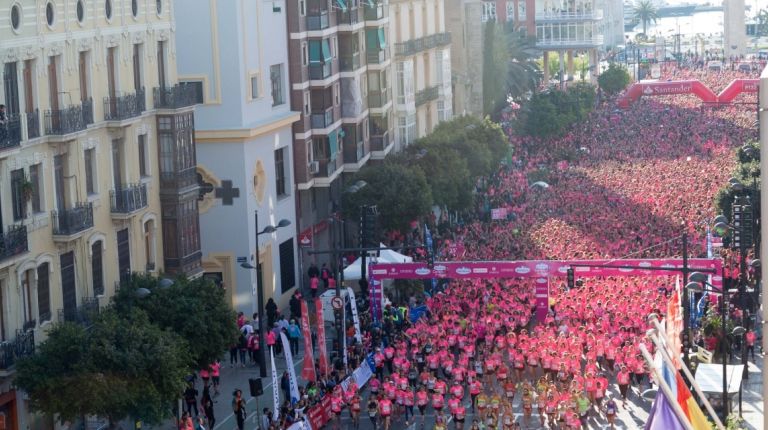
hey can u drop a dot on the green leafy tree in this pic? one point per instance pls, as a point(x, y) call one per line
point(196, 310)
point(523, 74)
point(448, 176)
point(614, 79)
point(122, 366)
point(645, 12)
point(399, 190)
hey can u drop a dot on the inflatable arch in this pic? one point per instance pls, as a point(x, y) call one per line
point(737, 87)
point(639, 89)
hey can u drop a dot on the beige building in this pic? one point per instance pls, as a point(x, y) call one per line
point(421, 67)
point(97, 165)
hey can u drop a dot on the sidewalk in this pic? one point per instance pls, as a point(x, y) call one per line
point(752, 394)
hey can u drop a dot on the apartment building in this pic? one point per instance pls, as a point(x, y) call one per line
point(97, 165)
point(421, 67)
point(340, 74)
point(237, 53)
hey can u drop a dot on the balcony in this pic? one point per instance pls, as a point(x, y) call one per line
point(427, 95)
point(348, 17)
point(68, 223)
point(84, 314)
point(584, 42)
point(350, 62)
point(174, 181)
point(320, 71)
point(327, 168)
point(70, 120)
point(569, 16)
point(10, 351)
point(124, 107)
point(33, 124)
point(376, 57)
point(379, 142)
point(10, 132)
point(128, 199)
point(175, 97)
point(323, 119)
point(375, 13)
point(317, 21)
point(378, 99)
point(13, 242)
point(414, 46)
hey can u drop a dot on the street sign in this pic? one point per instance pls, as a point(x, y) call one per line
point(337, 303)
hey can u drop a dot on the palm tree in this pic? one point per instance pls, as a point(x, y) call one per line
point(523, 73)
point(645, 12)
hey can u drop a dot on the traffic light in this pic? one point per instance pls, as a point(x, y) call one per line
point(571, 278)
point(369, 227)
point(337, 319)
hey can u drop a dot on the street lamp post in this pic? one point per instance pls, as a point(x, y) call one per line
point(259, 290)
point(699, 284)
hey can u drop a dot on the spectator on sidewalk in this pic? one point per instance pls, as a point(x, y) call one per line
point(238, 408)
point(285, 385)
point(295, 305)
point(294, 334)
point(207, 403)
point(190, 398)
point(271, 308)
point(325, 275)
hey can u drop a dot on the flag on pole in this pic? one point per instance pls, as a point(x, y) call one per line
point(690, 407)
point(662, 417)
point(275, 391)
point(308, 369)
point(321, 346)
point(293, 384)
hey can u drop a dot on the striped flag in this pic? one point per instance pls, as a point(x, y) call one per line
point(662, 416)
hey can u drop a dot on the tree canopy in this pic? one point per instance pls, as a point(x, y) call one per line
point(645, 12)
point(196, 310)
point(614, 79)
point(550, 112)
point(122, 366)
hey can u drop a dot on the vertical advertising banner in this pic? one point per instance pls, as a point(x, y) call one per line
point(308, 370)
point(321, 345)
point(542, 299)
point(355, 316)
point(275, 385)
point(292, 383)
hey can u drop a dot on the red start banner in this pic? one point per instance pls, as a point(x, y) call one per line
point(695, 87)
point(320, 414)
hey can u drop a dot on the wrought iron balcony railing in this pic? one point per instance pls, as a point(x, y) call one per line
point(414, 46)
point(84, 314)
point(124, 107)
point(22, 346)
point(69, 120)
point(427, 95)
point(33, 124)
point(10, 132)
point(69, 222)
point(379, 142)
point(317, 21)
point(128, 198)
point(13, 241)
point(176, 97)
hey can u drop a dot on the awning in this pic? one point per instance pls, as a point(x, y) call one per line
point(342, 5)
point(710, 377)
point(382, 39)
point(352, 272)
point(333, 144)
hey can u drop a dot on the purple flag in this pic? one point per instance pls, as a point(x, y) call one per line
point(662, 416)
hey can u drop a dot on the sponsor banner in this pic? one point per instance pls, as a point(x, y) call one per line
point(499, 213)
point(305, 238)
point(377, 294)
point(301, 425)
point(320, 414)
point(292, 383)
point(530, 269)
point(362, 375)
point(308, 369)
point(321, 346)
point(355, 316)
point(275, 391)
point(542, 299)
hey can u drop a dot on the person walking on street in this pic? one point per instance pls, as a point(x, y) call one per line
point(190, 398)
point(285, 385)
point(294, 334)
point(295, 305)
point(325, 275)
point(271, 308)
point(207, 403)
point(238, 408)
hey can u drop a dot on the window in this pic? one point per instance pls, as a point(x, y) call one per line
point(276, 77)
point(80, 11)
point(255, 93)
point(302, 8)
point(287, 267)
point(90, 171)
point(43, 293)
point(161, 64)
point(108, 9)
point(143, 162)
point(26, 294)
point(306, 103)
point(16, 17)
point(159, 6)
point(489, 11)
point(135, 8)
point(83, 70)
point(304, 54)
point(334, 47)
point(197, 87)
point(35, 171)
point(336, 94)
point(280, 172)
point(137, 78)
point(97, 269)
point(50, 13)
point(18, 196)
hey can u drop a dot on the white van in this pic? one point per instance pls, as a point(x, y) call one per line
point(715, 65)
